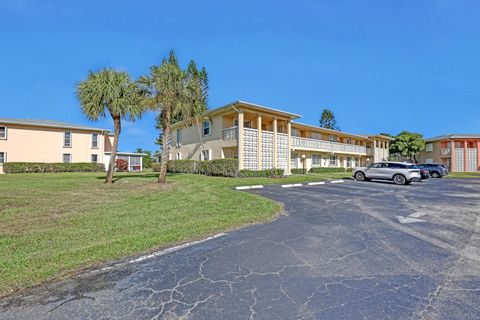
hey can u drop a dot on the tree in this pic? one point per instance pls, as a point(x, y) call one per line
point(177, 95)
point(327, 120)
point(407, 144)
point(113, 92)
point(147, 158)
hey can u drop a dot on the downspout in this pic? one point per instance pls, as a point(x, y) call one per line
point(238, 134)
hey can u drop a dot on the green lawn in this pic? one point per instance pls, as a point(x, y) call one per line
point(54, 224)
point(464, 175)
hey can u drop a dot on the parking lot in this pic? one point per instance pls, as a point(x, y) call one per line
point(348, 250)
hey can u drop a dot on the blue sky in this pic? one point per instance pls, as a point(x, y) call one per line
point(381, 66)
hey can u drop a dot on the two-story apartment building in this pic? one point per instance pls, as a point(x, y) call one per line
point(459, 152)
point(263, 138)
point(27, 140)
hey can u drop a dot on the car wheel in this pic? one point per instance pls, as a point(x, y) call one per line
point(435, 174)
point(399, 179)
point(360, 176)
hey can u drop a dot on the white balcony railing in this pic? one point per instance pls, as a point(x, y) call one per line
point(322, 145)
point(230, 134)
point(445, 151)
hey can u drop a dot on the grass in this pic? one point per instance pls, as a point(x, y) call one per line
point(54, 224)
point(463, 175)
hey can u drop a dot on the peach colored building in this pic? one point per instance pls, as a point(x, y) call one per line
point(263, 138)
point(27, 140)
point(459, 152)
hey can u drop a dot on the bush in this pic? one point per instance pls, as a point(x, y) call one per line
point(218, 167)
point(121, 165)
point(329, 169)
point(271, 173)
point(180, 166)
point(297, 171)
point(40, 167)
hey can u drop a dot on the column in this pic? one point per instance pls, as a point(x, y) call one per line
point(259, 142)
point(289, 143)
point(465, 156)
point(478, 156)
point(452, 157)
point(240, 139)
point(275, 165)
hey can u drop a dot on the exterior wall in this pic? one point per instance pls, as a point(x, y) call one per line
point(190, 146)
point(459, 155)
point(36, 144)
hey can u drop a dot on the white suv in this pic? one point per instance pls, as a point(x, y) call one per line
point(398, 172)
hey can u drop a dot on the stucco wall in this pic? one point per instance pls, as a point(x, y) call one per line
point(191, 140)
point(36, 144)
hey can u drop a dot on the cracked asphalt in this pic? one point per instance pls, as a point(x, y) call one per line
point(339, 251)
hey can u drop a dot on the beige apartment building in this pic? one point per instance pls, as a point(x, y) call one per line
point(459, 152)
point(27, 140)
point(264, 138)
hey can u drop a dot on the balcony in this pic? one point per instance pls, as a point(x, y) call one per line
point(230, 134)
point(327, 146)
point(445, 152)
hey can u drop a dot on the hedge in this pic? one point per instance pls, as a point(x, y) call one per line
point(40, 167)
point(270, 173)
point(329, 169)
point(297, 171)
point(217, 167)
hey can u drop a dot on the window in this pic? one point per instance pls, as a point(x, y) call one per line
point(315, 159)
point(332, 138)
point(3, 133)
point(348, 141)
point(206, 128)
point(316, 135)
point(94, 157)
point(94, 140)
point(429, 160)
point(179, 137)
point(333, 161)
point(205, 155)
point(3, 157)
point(429, 147)
point(246, 124)
point(67, 157)
point(179, 156)
point(67, 139)
point(349, 162)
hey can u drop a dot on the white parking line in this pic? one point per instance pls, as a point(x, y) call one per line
point(162, 252)
point(316, 183)
point(291, 185)
point(249, 187)
point(337, 181)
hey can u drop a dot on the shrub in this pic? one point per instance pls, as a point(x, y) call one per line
point(121, 165)
point(297, 171)
point(180, 166)
point(155, 167)
point(271, 173)
point(40, 167)
point(329, 169)
point(218, 167)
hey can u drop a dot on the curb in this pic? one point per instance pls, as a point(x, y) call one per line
point(337, 181)
point(291, 185)
point(316, 183)
point(249, 187)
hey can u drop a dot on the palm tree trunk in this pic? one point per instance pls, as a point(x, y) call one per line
point(113, 155)
point(162, 177)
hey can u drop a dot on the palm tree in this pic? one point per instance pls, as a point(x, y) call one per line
point(108, 90)
point(177, 95)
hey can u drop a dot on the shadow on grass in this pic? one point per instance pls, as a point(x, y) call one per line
point(143, 176)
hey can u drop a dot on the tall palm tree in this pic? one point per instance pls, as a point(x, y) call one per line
point(113, 92)
point(177, 95)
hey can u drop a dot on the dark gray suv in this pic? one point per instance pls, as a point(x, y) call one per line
point(437, 170)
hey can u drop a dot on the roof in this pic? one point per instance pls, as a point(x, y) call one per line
point(377, 136)
point(330, 130)
point(455, 136)
point(120, 153)
point(247, 104)
point(48, 124)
